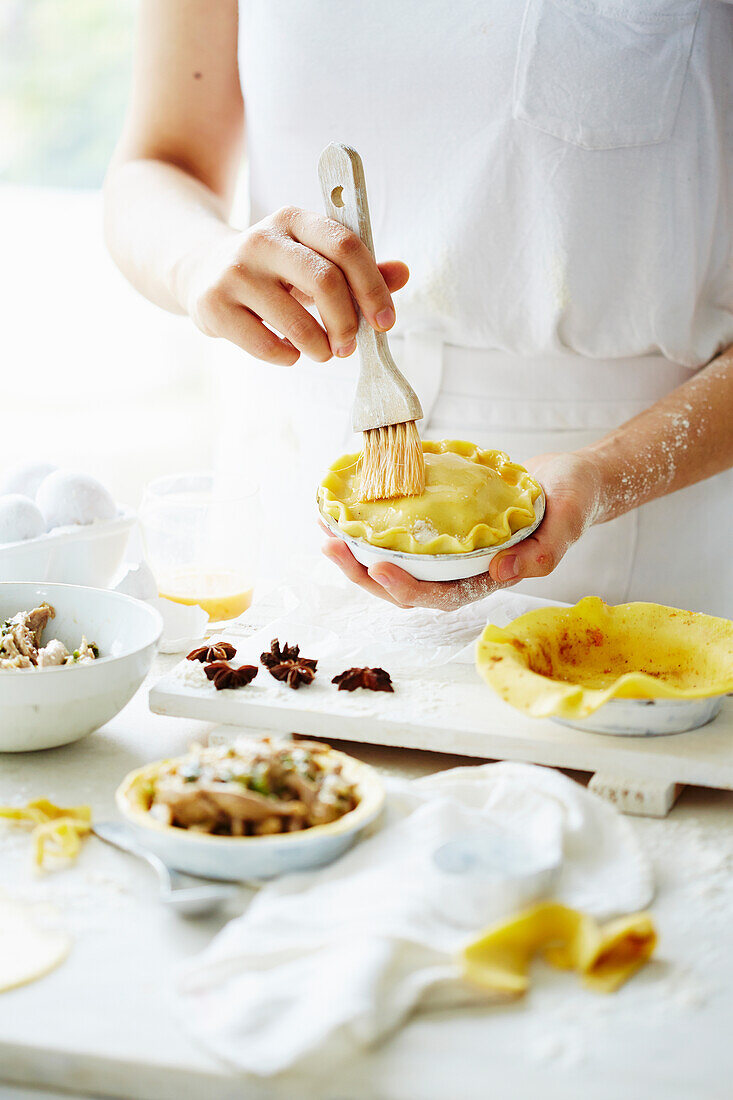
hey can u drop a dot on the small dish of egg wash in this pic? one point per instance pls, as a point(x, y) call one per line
point(202, 540)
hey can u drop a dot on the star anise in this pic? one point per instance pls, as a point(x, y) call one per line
point(373, 679)
point(220, 651)
point(224, 676)
point(295, 673)
point(278, 655)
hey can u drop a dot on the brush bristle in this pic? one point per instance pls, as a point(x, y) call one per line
point(392, 463)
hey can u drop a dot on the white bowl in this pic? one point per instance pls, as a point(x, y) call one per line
point(44, 707)
point(89, 554)
point(648, 717)
point(434, 567)
point(238, 859)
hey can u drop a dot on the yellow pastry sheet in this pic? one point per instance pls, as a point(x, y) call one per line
point(473, 499)
point(604, 955)
point(57, 830)
point(569, 661)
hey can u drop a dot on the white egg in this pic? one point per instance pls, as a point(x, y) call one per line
point(65, 497)
point(25, 478)
point(20, 519)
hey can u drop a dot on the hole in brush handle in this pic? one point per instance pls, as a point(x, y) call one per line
point(337, 196)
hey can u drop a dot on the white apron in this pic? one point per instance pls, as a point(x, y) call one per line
point(558, 174)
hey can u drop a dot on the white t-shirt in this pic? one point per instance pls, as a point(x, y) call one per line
point(558, 174)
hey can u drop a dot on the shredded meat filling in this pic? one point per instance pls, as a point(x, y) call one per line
point(20, 642)
point(251, 788)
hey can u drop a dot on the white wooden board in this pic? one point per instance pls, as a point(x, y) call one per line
point(450, 710)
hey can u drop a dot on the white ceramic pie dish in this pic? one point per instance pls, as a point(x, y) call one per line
point(238, 859)
point(90, 554)
point(648, 717)
point(434, 567)
point(41, 708)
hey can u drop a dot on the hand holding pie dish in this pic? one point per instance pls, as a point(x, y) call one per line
point(476, 503)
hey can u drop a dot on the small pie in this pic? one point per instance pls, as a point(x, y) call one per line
point(569, 661)
point(473, 499)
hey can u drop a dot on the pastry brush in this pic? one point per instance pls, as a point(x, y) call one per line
point(385, 406)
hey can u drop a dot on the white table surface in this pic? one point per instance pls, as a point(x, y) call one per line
point(102, 1024)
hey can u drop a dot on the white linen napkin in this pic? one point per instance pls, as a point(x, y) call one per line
point(328, 962)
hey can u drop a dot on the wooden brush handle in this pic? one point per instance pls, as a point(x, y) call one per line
point(383, 395)
point(343, 183)
point(341, 173)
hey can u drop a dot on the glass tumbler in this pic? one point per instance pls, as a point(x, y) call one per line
point(202, 541)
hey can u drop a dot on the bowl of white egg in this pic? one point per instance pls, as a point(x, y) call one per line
point(60, 525)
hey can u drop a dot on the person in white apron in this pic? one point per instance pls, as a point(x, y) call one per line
point(558, 174)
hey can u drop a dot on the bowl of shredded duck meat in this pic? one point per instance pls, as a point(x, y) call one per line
point(70, 659)
point(22, 645)
point(254, 808)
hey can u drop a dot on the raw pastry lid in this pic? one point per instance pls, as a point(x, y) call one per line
point(434, 567)
point(474, 500)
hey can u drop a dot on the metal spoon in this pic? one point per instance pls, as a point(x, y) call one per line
point(188, 895)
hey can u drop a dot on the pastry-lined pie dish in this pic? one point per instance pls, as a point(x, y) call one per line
point(636, 668)
point(252, 809)
point(476, 502)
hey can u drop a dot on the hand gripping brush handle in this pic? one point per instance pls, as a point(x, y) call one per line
point(384, 397)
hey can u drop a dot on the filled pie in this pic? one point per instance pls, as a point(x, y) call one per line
point(473, 499)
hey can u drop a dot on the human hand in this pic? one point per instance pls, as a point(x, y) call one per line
point(573, 489)
point(246, 281)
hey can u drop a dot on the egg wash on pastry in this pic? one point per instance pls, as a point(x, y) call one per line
point(473, 499)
